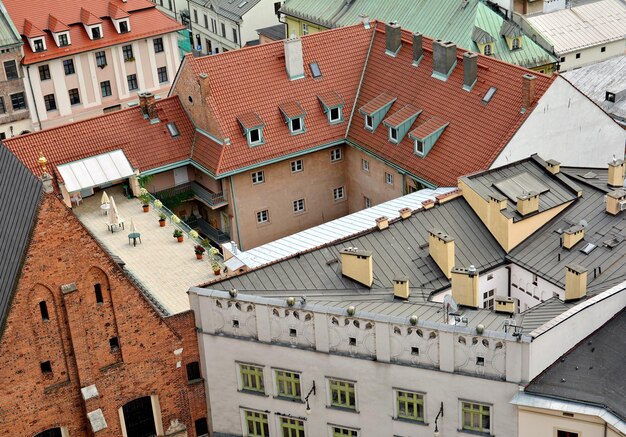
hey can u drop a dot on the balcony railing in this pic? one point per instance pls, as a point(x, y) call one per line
point(181, 193)
point(205, 228)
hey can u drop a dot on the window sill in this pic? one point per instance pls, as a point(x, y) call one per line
point(469, 431)
point(345, 409)
point(411, 421)
point(254, 393)
point(335, 161)
point(298, 213)
point(195, 381)
point(288, 399)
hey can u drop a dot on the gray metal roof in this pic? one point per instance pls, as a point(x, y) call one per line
point(9, 36)
point(235, 9)
point(592, 372)
point(275, 33)
point(20, 192)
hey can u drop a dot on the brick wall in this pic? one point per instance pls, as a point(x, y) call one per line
point(75, 337)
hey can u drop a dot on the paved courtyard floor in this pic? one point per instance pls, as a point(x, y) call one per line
point(164, 266)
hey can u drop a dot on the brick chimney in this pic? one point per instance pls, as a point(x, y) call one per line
point(441, 250)
point(616, 173)
point(418, 50)
point(357, 265)
point(575, 282)
point(444, 59)
point(528, 90)
point(393, 37)
point(147, 103)
point(294, 62)
point(470, 70)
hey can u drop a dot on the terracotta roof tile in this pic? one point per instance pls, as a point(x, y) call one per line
point(87, 18)
point(206, 152)
point(31, 31)
point(398, 117)
point(292, 109)
point(117, 12)
point(330, 99)
point(428, 127)
point(125, 129)
point(376, 103)
point(250, 120)
point(55, 25)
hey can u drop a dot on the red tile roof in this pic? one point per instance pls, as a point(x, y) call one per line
point(87, 18)
point(250, 120)
point(402, 115)
point(207, 152)
point(330, 99)
point(292, 109)
point(125, 129)
point(117, 12)
point(377, 103)
point(427, 127)
point(31, 31)
point(54, 25)
point(261, 84)
point(145, 21)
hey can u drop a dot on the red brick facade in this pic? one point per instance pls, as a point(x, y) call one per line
point(76, 331)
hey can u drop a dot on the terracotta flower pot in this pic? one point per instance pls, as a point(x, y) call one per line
point(180, 239)
point(162, 223)
point(198, 256)
point(146, 208)
point(216, 272)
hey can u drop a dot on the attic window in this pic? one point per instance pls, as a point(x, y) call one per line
point(490, 92)
point(171, 127)
point(588, 248)
point(400, 122)
point(294, 116)
point(123, 26)
point(375, 110)
point(426, 135)
point(369, 122)
point(610, 97)
point(333, 104)
point(255, 137)
point(315, 70)
point(393, 135)
point(96, 33)
point(252, 128)
point(296, 125)
point(488, 49)
point(516, 43)
point(63, 39)
point(419, 147)
point(39, 45)
point(334, 115)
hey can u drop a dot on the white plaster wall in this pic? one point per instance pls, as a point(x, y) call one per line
point(544, 423)
point(591, 55)
point(260, 16)
point(522, 284)
point(568, 127)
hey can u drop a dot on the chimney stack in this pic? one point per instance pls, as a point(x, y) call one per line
point(444, 59)
point(528, 203)
point(616, 201)
point(393, 37)
point(401, 288)
point(575, 282)
point(405, 213)
point(441, 250)
point(528, 90)
point(294, 62)
point(465, 286)
point(616, 173)
point(382, 223)
point(572, 236)
point(357, 265)
point(148, 106)
point(418, 50)
point(470, 70)
point(553, 166)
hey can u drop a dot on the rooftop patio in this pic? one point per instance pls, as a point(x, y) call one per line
point(163, 266)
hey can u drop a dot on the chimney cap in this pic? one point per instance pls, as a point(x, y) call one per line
point(355, 251)
point(497, 196)
point(528, 195)
point(401, 279)
point(616, 162)
point(529, 76)
point(576, 268)
point(574, 229)
point(552, 162)
point(440, 234)
point(617, 194)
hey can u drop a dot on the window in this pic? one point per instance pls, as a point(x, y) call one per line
point(132, 82)
point(415, 350)
point(193, 371)
point(206, 21)
point(315, 70)
point(480, 361)
point(290, 427)
point(223, 30)
point(43, 309)
point(577, 55)
point(158, 45)
point(101, 59)
point(74, 96)
point(105, 88)
point(388, 178)
point(139, 417)
point(515, 43)
point(172, 129)
point(296, 125)
point(124, 26)
point(338, 193)
point(257, 424)
point(68, 66)
point(202, 427)
point(195, 16)
point(235, 38)
point(10, 68)
point(366, 164)
point(562, 58)
point(3, 108)
point(488, 297)
point(213, 25)
point(419, 147)
point(52, 432)
point(128, 52)
point(534, 279)
point(18, 102)
point(50, 102)
point(410, 405)
point(162, 73)
point(367, 202)
point(342, 394)
point(63, 40)
point(298, 205)
point(393, 134)
point(254, 136)
point(335, 155)
point(251, 378)
point(288, 384)
point(95, 33)
point(297, 166)
point(487, 50)
point(46, 367)
point(97, 288)
point(305, 29)
point(44, 72)
point(561, 433)
point(334, 115)
point(602, 50)
point(344, 432)
point(38, 44)
point(263, 216)
point(258, 177)
point(369, 122)
point(475, 417)
point(114, 343)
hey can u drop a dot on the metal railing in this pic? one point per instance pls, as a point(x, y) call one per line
point(204, 227)
point(189, 190)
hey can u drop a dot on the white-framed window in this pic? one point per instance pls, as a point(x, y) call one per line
point(388, 178)
point(488, 299)
point(409, 405)
point(369, 122)
point(258, 177)
point(122, 25)
point(339, 193)
point(297, 166)
point(367, 202)
point(516, 43)
point(488, 50)
point(366, 164)
point(263, 216)
point(334, 115)
point(62, 39)
point(95, 31)
point(298, 205)
point(475, 416)
point(419, 147)
point(255, 136)
point(296, 125)
point(305, 29)
point(393, 134)
point(335, 155)
point(37, 44)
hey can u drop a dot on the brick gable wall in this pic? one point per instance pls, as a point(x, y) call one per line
point(75, 338)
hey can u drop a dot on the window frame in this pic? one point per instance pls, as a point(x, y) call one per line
point(339, 118)
point(127, 53)
point(260, 134)
point(291, 426)
point(342, 431)
point(290, 380)
point(365, 165)
point(336, 155)
point(389, 178)
point(77, 94)
point(367, 202)
point(50, 102)
point(297, 166)
point(133, 81)
point(245, 371)
point(299, 206)
point(158, 45)
point(392, 134)
point(339, 190)
point(416, 143)
point(369, 122)
point(414, 399)
point(259, 217)
point(476, 429)
point(223, 29)
point(23, 101)
point(6, 72)
point(260, 417)
point(292, 129)
point(3, 107)
point(487, 50)
point(105, 85)
point(101, 59)
point(63, 39)
point(95, 32)
point(162, 75)
point(257, 177)
point(39, 45)
point(44, 72)
point(68, 67)
point(343, 388)
point(125, 22)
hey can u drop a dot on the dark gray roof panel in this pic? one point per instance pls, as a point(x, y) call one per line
point(592, 372)
point(20, 192)
point(275, 33)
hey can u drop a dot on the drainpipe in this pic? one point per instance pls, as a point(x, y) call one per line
point(232, 195)
point(33, 95)
point(239, 32)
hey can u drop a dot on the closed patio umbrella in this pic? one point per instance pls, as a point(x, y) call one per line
point(114, 217)
point(133, 228)
point(105, 198)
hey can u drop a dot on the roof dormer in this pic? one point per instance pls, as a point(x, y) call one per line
point(512, 34)
point(400, 122)
point(92, 24)
point(484, 41)
point(294, 116)
point(252, 126)
point(333, 104)
point(426, 135)
point(60, 31)
point(36, 37)
point(375, 110)
point(120, 18)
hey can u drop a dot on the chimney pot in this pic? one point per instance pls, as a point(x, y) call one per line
point(418, 50)
point(382, 222)
point(401, 288)
point(294, 62)
point(393, 37)
point(405, 213)
point(444, 59)
point(528, 89)
point(470, 70)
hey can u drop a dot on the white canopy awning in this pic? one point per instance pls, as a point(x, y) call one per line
point(95, 170)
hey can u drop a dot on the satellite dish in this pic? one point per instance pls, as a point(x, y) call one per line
point(450, 304)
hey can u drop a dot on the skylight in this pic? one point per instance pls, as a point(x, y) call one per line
point(242, 4)
point(171, 127)
point(489, 94)
point(315, 70)
point(588, 248)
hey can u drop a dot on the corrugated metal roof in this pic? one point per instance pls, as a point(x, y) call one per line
point(582, 26)
point(20, 192)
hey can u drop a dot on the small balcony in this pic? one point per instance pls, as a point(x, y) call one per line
point(188, 191)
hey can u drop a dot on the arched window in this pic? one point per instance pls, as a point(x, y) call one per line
point(487, 50)
point(515, 43)
point(139, 418)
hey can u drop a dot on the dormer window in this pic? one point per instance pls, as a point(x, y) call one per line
point(332, 104)
point(252, 128)
point(516, 43)
point(334, 115)
point(375, 110)
point(426, 135)
point(96, 32)
point(254, 136)
point(123, 26)
point(488, 49)
point(369, 122)
point(39, 45)
point(419, 147)
point(296, 125)
point(63, 39)
point(513, 35)
point(294, 116)
point(393, 134)
point(400, 122)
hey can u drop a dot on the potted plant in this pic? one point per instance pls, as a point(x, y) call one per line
point(215, 263)
point(144, 196)
point(162, 218)
point(199, 251)
point(205, 243)
point(178, 234)
point(158, 204)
